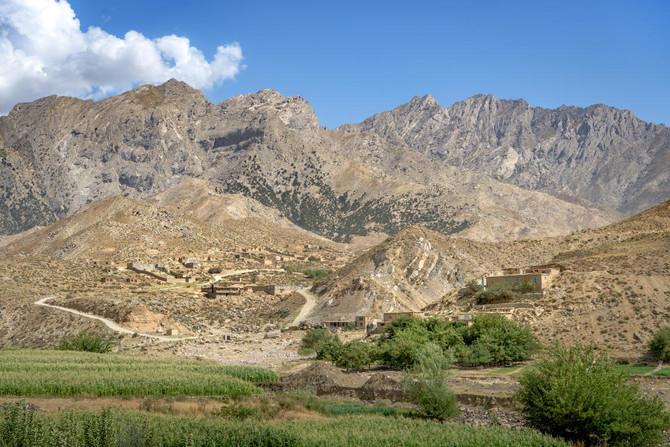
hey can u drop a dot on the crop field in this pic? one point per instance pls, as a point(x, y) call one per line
point(20, 426)
point(68, 373)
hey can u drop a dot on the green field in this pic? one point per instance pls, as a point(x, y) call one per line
point(636, 369)
point(22, 427)
point(663, 372)
point(69, 373)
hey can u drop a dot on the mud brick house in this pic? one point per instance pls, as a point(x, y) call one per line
point(389, 316)
point(281, 290)
point(213, 291)
point(540, 276)
point(362, 321)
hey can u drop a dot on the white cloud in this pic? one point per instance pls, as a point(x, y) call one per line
point(43, 52)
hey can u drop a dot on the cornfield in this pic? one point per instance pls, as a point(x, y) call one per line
point(65, 373)
point(20, 426)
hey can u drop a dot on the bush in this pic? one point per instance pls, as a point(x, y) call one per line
point(214, 270)
point(86, 342)
point(660, 344)
point(496, 294)
point(426, 383)
point(580, 396)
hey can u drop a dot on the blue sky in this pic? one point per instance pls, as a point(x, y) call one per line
point(352, 59)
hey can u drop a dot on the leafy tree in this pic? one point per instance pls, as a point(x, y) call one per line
point(580, 396)
point(355, 354)
point(660, 344)
point(402, 350)
point(426, 383)
point(330, 349)
point(504, 339)
point(314, 338)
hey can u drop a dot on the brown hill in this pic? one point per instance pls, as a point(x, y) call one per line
point(124, 229)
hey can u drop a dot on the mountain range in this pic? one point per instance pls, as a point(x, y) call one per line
point(572, 169)
point(601, 154)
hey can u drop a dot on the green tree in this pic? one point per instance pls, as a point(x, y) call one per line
point(401, 351)
point(330, 349)
point(579, 395)
point(355, 354)
point(660, 344)
point(505, 339)
point(314, 338)
point(426, 382)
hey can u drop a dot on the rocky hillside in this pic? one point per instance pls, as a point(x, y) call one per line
point(123, 230)
point(599, 154)
point(614, 288)
point(416, 268)
point(59, 154)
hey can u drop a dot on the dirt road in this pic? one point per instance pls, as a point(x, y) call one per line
point(109, 323)
point(310, 302)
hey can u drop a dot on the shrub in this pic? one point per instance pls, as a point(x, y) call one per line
point(660, 344)
point(426, 383)
point(495, 294)
point(86, 342)
point(214, 270)
point(580, 396)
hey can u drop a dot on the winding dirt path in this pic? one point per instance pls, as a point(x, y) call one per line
point(310, 302)
point(109, 323)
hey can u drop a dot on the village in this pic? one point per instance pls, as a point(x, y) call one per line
point(280, 273)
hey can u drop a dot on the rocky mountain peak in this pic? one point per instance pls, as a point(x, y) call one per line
point(294, 111)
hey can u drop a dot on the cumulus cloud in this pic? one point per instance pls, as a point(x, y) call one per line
point(43, 51)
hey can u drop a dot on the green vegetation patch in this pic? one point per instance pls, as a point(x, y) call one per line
point(580, 395)
point(635, 369)
point(663, 372)
point(20, 426)
point(65, 373)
